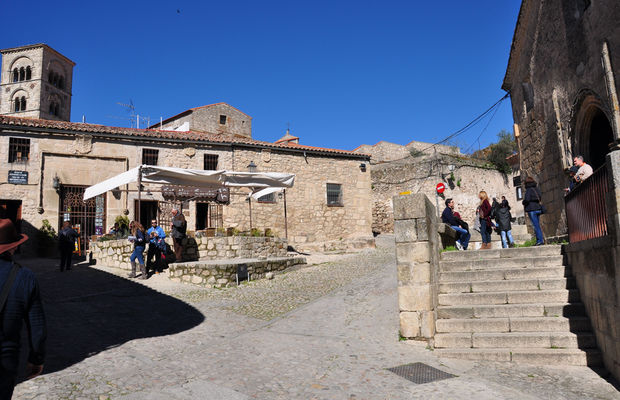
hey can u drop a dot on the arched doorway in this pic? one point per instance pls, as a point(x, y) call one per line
point(593, 132)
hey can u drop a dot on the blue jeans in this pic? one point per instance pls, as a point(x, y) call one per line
point(534, 217)
point(463, 236)
point(510, 239)
point(137, 253)
point(486, 235)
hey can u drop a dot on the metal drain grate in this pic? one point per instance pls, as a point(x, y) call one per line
point(420, 373)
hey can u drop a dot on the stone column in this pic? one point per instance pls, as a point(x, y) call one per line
point(417, 254)
point(613, 200)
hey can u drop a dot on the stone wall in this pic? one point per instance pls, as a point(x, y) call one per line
point(421, 175)
point(116, 253)
point(223, 273)
point(556, 81)
point(386, 151)
point(596, 266)
point(417, 258)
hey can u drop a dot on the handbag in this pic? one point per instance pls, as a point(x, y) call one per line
point(543, 210)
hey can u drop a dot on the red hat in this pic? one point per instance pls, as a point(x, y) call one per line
point(9, 238)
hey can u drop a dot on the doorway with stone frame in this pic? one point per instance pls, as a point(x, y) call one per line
point(593, 132)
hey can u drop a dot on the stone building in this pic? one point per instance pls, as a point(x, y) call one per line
point(562, 78)
point(48, 163)
point(36, 82)
point(418, 167)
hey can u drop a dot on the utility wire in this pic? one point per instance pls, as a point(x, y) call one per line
point(471, 124)
point(483, 130)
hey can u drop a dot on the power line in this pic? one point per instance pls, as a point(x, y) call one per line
point(484, 129)
point(471, 124)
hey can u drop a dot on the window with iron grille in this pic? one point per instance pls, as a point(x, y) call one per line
point(334, 194)
point(268, 198)
point(149, 156)
point(210, 162)
point(19, 149)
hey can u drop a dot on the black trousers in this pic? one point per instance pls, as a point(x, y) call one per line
point(8, 376)
point(66, 252)
point(153, 251)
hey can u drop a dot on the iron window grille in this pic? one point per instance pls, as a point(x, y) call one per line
point(268, 198)
point(210, 162)
point(149, 156)
point(334, 194)
point(19, 149)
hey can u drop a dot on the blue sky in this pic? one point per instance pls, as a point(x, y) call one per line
point(342, 73)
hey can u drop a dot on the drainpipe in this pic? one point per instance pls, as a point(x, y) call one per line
point(613, 95)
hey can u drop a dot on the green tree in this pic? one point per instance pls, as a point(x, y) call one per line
point(496, 153)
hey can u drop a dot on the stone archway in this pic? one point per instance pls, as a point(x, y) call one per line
point(593, 132)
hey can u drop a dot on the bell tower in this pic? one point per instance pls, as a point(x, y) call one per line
point(36, 82)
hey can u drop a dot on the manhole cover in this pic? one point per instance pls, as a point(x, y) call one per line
point(420, 373)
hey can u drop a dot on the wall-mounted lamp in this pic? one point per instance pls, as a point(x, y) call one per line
point(451, 167)
point(252, 167)
point(280, 195)
point(363, 167)
point(56, 183)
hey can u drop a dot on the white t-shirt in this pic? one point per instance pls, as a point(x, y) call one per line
point(584, 172)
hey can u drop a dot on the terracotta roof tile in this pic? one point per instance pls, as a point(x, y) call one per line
point(7, 121)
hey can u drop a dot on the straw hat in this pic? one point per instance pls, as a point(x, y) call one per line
point(9, 238)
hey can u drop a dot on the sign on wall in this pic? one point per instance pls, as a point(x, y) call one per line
point(18, 177)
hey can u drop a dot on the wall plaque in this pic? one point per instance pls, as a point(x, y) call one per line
point(18, 177)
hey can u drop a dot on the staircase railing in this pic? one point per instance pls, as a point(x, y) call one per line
point(586, 213)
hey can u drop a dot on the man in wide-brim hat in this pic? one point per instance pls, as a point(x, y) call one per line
point(23, 301)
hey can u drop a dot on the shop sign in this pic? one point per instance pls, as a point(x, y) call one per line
point(18, 177)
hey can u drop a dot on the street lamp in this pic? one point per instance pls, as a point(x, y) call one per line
point(252, 167)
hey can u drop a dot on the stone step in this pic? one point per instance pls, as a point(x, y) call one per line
point(504, 297)
point(505, 274)
point(585, 357)
point(525, 262)
point(522, 324)
point(548, 340)
point(507, 285)
point(519, 230)
point(519, 252)
point(512, 310)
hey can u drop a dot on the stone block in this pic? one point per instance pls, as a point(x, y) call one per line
point(405, 231)
point(414, 298)
point(417, 252)
point(196, 279)
point(409, 324)
point(411, 206)
point(414, 273)
point(427, 324)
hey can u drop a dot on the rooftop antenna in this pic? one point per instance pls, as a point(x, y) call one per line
point(134, 119)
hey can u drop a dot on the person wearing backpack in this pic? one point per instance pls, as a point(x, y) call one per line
point(503, 217)
point(66, 244)
point(20, 301)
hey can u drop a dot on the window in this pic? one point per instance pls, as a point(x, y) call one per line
point(149, 156)
point(28, 73)
point(19, 104)
point(19, 149)
point(23, 103)
point(210, 162)
point(222, 120)
point(22, 73)
point(268, 198)
point(334, 194)
point(15, 75)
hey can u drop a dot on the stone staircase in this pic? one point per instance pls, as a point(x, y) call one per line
point(519, 234)
point(517, 305)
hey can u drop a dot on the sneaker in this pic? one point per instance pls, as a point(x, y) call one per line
point(459, 246)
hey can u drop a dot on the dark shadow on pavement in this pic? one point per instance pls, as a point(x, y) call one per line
point(89, 311)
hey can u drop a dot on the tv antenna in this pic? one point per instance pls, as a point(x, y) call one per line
point(134, 118)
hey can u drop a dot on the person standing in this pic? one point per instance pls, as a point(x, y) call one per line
point(66, 244)
point(155, 234)
point(448, 217)
point(503, 217)
point(138, 237)
point(486, 226)
point(533, 207)
point(584, 171)
point(179, 228)
point(21, 304)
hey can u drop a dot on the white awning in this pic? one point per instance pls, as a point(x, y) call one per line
point(192, 177)
point(264, 192)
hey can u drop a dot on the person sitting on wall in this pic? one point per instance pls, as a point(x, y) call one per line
point(66, 244)
point(155, 234)
point(584, 171)
point(115, 230)
point(179, 227)
point(448, 218)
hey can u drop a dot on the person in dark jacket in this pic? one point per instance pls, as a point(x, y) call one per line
point(503, 217)
point(179, 227)
point(138, 237)
point(449, 218)
point(66, 244)
point(533, 208)
point(23, 304)
point(486, 226)
point(156, 236)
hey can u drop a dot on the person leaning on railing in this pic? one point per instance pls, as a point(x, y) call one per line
point(584, 171)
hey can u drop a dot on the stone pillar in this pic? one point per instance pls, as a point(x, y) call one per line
point(613, 198)
point(417, 255)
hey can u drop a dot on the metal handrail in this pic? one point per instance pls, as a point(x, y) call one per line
point(586, 212)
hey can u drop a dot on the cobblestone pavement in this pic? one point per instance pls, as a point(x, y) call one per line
point(326, 331)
